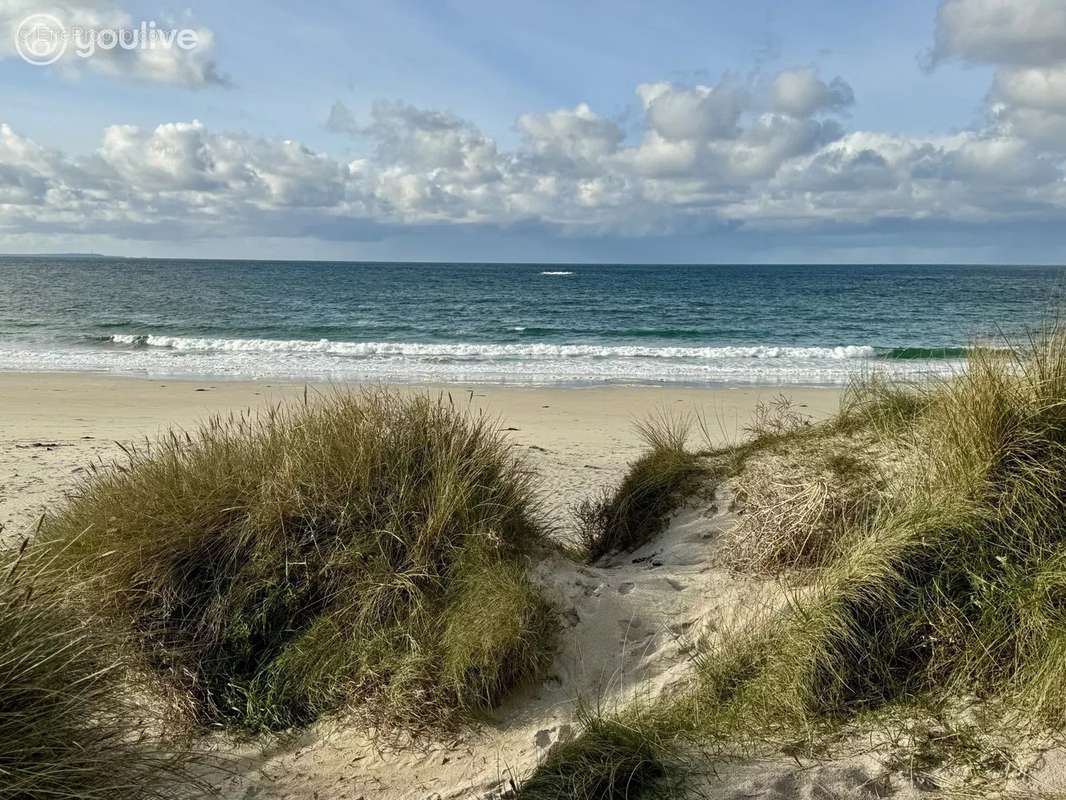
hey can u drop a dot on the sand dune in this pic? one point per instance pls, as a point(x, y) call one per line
point(628, 626)
point(629, 622)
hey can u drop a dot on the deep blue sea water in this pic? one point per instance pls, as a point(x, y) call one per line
point(509, 323)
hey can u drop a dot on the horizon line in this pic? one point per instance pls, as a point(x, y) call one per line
point(105, 257)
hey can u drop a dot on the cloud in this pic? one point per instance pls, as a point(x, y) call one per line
point(693, 113)
point(764, 154)
point(427, 140)
point(1044, 128)
point(840, 170)
point(570, 135)
point(105, 39)
point(1011, 32)
point(801, 93)
point(1041, 88)
point(998, 163)
point(1025, 40)
point(710, 139)
point(186, 158)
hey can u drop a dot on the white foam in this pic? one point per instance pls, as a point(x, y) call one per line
point(556, 272)
point(494, 351)
point(468, 362)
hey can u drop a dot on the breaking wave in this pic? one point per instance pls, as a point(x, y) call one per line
point(492, 351)
point(922, 353)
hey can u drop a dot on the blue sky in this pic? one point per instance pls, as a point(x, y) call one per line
point(491, 62)
point(835, 131)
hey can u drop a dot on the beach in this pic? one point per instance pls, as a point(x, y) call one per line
point(577, 439)
point(629, 622)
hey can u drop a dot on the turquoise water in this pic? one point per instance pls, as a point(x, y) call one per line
point(509, 323)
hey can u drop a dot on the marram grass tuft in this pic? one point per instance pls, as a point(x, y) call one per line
point(626, 517)
point(363, 550)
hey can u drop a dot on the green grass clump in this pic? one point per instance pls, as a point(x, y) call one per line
point(654, 487)
point(614, 758)
point(883, 406)
point(366, 549)
point(70, 726)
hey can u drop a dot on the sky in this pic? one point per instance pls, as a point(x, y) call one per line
point(712, 132)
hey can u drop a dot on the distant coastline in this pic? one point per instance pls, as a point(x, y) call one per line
point(74, 256)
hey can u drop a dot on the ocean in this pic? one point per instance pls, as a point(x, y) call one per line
point(510, 323)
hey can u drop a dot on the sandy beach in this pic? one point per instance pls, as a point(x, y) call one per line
point(578, 439)
point(625, 621)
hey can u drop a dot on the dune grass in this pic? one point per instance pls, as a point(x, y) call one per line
point(955, 584)
point(873, 402)
point(361, 550)
point(797, 505)
point(615, 758)
point(71, 727)
point(654, 486)
point(952, 588)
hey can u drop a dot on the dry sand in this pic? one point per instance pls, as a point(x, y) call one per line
point(629, 621)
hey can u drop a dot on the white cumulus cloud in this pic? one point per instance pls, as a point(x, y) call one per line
point(1016, 32)
point(802, 93)
point(1026, 41)
point(764, 153)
